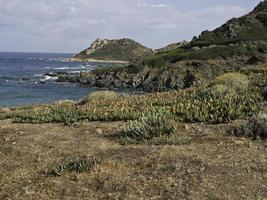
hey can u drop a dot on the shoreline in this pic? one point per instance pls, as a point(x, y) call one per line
point(97, 60)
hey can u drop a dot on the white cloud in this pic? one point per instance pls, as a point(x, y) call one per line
point(96, 21)
point(70, 25)
point(151, 5)
point(142, 5)
point(158, 5)
point(72, 8)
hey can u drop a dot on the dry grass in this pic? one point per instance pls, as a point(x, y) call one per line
point(233, 80)
point(210, 166)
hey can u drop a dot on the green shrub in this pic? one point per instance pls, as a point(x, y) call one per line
point(155, 62)
point(191, 105)
point(254, 128)
point(264, 93)
point(206, 106)
point(259, 126)
point(4, 112)
point(262, 16)
point(99, 95)
point(220, 89)
point(77, 165)
point(149, 126)
point(189, 79)
point(134, 68)
point(233, 80)
point(262, 48)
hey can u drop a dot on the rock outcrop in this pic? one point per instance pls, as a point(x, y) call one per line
point(250, 27)
point(173, 46)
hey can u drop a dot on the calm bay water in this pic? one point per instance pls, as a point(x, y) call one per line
point(22, 81)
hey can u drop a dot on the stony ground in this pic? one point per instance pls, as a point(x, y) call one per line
point(203, 163)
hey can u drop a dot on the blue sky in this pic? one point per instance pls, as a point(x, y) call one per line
point(71, 25)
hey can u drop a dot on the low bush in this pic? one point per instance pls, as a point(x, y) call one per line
point(233, 80)
point(220, 89)
point(206, 106)
point(149, 126)
point(264, 93)
point(254, 128)
point(77, 165)
point(259, 126)
point(4, 113)
point(262, 16)
point(155, 62)
point(188, 105)
point(189, 79)
point(99, 95)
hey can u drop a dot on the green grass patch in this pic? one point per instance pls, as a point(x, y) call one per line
point(149, 126)
point(77, 165)
point(190, 105)
point(160, 59)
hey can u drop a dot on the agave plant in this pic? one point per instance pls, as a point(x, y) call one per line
point(76, 165)
point(187, 105)
point(151, 125)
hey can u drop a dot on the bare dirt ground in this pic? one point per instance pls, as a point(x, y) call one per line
point(210, 165)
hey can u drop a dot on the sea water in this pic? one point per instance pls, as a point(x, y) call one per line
point(22, 80)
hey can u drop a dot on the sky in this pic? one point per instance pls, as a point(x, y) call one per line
point(71, 25)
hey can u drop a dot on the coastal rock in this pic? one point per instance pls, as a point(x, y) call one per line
point(116, 83)
point(103, 83)
point(171, 82)
point(259, 126)
point(256, 59)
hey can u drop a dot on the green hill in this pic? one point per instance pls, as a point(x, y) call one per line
point(122, 49)
point(251, 27)
point(242, 36)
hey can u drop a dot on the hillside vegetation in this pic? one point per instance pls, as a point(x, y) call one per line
point(121, 50)
point(240, 45)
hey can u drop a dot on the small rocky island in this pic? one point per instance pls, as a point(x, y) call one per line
point(122, 50)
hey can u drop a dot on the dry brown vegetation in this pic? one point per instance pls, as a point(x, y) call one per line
point(202, 163)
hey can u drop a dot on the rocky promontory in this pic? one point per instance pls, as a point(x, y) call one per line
point(114, 50)
point(239, 45)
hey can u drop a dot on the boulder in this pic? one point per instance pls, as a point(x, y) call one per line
point(103, 83)
point(256, 59)
point(259, 126)
point(196, 48)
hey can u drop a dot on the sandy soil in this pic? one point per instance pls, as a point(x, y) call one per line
point(211, 165)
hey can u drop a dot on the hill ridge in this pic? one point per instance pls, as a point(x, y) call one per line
point(124, 49)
